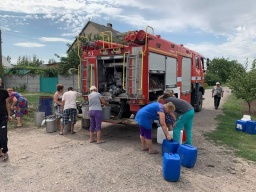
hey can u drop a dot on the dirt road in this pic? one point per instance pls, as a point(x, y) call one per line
point(41, 161)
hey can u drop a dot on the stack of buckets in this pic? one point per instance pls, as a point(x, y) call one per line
point(175, 155)
point(246, 125)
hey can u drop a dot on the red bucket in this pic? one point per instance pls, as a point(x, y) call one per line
point(184, 138)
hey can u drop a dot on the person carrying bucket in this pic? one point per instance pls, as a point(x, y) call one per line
point(186, 112)
point(145, 117)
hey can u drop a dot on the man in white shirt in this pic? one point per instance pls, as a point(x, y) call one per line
point(69, 109)
point(217, 93)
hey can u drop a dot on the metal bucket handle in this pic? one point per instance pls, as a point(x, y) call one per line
point(50, 117)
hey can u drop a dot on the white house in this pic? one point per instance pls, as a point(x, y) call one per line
point(6, 63)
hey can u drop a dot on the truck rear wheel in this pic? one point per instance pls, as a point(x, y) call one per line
point(199, 102)
point(123, 110)
point(126, 111)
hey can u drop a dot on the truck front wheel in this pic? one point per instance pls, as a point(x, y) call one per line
point(199, 102)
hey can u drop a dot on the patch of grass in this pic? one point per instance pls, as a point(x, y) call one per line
point(33, 103)
point(244, 144)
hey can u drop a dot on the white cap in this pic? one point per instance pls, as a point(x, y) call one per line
point(93, 88)
point(217, 83)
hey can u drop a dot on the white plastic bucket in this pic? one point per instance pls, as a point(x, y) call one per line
point(246, 118)
point(161, 135)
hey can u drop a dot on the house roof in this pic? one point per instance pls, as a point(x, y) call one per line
point(100, 28)
point(6, 63)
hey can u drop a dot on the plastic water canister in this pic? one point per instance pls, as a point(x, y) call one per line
point(184, 136)
point(161, 136)
point(250, 127)
point(171, 167)
point(169, 146)
point(241, 125)
point(188, 155)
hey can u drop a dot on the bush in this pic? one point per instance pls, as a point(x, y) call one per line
point(21, 88)
point(42, 71)
point(211, 79)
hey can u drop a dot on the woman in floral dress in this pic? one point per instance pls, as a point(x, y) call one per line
point(19, 105)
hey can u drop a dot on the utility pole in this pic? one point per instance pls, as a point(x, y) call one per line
point(1, 61)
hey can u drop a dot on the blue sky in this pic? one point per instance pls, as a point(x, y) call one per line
point(214, 28)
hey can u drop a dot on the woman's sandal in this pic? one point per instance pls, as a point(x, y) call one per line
point(5, 156)
point(101, 142)
point(153, 152)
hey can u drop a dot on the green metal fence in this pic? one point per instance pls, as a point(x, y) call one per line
point(48, 84)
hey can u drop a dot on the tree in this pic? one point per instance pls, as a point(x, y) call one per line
point(28, 62)
point(8, 58)
point(211, 78)
point(51, 61)
point(73, 56)
point(222, 68)
point(253, 64)
point(71, 61)
point(243, 84)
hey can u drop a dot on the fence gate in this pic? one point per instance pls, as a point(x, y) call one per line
point(48, 84)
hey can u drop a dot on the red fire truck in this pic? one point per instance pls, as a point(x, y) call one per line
point(135, 73)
